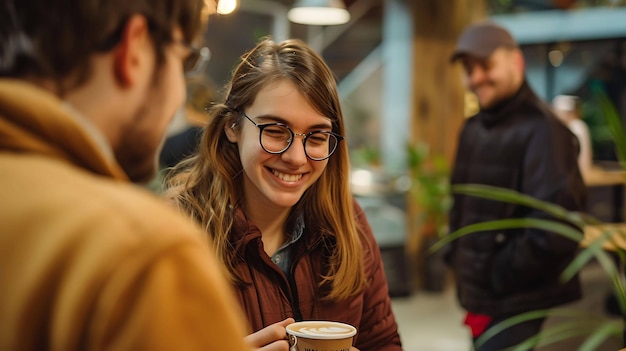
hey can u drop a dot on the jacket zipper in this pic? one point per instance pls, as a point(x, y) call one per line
point(293, 287)
point(293, 295)
point(289, 287)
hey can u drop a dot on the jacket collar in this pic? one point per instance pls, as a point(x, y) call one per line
point(34, 121)
point(244, 232)
point(504, 109)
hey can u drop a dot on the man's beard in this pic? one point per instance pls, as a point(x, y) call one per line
point(136, 151)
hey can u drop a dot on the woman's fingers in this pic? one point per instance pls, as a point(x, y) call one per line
point(273, 337)
point(281, 345)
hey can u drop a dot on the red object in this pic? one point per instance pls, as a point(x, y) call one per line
point(477, 323)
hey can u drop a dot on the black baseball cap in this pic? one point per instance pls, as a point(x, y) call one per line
point(481, 40)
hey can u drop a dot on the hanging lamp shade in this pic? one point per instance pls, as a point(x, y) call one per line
point(319, 12)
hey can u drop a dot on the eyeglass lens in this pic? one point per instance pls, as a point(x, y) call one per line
point(318, 145)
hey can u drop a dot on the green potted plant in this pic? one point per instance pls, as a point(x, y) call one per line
point(430, 190)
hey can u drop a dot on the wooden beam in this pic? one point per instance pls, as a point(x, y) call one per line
point(439, 96)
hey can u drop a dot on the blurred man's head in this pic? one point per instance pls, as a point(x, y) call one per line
point(118, 62)
point(493, 63)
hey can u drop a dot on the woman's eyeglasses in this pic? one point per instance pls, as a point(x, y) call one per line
point(276, 138)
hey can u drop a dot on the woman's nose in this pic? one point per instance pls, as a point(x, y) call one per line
point(295, 153)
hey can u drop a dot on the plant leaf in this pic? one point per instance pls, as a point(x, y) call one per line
point(515, 197)
point(602, 333)
point(510, 223)
point(583, 258)
point(613, 121)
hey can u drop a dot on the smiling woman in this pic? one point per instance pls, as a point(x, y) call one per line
point(270, 185)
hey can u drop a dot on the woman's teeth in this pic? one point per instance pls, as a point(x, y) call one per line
point(287, 177)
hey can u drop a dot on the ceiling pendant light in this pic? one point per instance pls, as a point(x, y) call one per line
point(226, 7)
point(319, 12)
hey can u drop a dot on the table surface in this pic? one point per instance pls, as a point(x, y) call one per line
point(615, 232)
point(597, 176)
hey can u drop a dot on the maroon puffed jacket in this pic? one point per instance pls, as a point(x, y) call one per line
point(268, 296)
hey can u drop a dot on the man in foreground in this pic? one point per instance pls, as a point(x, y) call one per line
point(88, 260)
point(514, 142)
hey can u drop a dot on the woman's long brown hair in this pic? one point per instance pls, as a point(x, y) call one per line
point(208, 185)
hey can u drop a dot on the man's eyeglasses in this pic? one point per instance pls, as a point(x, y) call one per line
point(197, 59)
point(276, 138)
point(193, 64)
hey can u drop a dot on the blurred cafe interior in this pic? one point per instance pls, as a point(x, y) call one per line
point(401, 96)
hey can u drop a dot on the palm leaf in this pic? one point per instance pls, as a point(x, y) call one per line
point(545, 335)
point(562, 331)
point(509, 322)
point(613, 121)
point(580, 324)
point(515, 197)
point(594, 249)
point(602, 333)
point(510, 223)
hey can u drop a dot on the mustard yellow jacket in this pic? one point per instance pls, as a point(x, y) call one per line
point(89, 261)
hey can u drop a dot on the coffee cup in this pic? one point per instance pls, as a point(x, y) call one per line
point(320, 336)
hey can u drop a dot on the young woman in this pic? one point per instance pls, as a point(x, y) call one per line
point(270, 185)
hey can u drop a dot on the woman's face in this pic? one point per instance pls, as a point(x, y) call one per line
point(278, 180)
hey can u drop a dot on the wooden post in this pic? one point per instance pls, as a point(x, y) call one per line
point(438, 100)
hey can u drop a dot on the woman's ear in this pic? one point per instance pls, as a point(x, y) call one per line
point(231, 132)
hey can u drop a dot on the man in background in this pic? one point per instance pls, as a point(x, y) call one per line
point(514, 142)
point(88, 260)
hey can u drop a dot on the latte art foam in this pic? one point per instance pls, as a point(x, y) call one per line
point(321, 330)
point(325, 331)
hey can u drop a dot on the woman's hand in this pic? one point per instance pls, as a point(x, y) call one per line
point(271, 338)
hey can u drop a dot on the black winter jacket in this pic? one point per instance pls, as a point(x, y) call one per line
point(518, 145)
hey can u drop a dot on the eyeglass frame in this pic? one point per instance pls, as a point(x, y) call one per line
point(197, 59)
point(193, 64)
point(304, 136)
